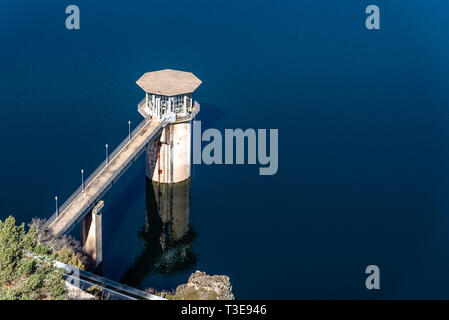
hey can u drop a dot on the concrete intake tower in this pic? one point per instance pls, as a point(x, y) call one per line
point(168, 94)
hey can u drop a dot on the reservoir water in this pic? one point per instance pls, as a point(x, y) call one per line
point(363, 141)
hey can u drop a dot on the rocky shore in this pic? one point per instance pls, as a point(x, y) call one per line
point(201, 286)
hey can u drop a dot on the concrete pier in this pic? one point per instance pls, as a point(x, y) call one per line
point(91, 232)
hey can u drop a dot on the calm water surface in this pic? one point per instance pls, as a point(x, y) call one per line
point(363, 140)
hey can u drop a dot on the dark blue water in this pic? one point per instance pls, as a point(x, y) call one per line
point(363, 141)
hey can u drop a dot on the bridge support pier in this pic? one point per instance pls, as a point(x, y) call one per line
point(92, 234)
point(168, 159)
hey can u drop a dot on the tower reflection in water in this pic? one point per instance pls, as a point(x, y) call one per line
point(167, 235)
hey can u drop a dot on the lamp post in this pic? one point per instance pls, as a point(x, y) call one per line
point(107, 154)
point(57, 209)
point(129, 130)
point(82, 179)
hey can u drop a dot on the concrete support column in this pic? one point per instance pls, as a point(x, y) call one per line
point(153, 101)
point(158, 107)
point(173, 155)
point(92, 234)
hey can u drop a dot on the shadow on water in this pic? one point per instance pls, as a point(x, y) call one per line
point(167, 235)
point(124, 200)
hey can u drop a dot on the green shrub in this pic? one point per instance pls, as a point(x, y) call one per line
point(22, 274)
point(66, 256)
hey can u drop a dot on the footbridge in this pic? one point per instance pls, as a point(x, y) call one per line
point(165, 134)
point(108, 172)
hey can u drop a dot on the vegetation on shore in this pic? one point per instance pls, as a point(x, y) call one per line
point(27, 271)
point(67, 249)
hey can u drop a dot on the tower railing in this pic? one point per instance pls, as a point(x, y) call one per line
point(191, 112)
point(142, 107)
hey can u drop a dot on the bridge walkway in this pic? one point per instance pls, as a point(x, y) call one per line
point(83, 200)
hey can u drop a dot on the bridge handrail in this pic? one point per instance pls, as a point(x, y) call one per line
point(125, 141)
point(97, 171)
point(99, 192)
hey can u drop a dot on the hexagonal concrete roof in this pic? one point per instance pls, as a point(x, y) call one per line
point(169, 82)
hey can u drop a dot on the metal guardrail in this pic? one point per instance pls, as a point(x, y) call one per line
point(143, 109)
point(110, 289)
point(96, 290)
